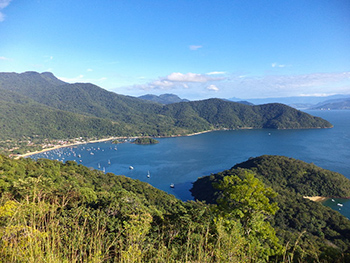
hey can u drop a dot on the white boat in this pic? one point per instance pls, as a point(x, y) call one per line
point(148, 175)
point(172, 185)
point(109, 161)
point(339, 204)
point(131, 168)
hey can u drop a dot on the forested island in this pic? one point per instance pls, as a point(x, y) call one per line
point(145, 141)
point(36, 107)
point(50, 211)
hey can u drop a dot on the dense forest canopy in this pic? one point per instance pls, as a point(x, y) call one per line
point(292, 180)
point(55, 212)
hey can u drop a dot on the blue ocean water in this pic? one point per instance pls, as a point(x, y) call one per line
point(181, 160)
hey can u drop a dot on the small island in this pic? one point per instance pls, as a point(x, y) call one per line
point(145, 141)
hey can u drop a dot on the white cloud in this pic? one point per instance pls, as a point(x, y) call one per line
point(162, 83)
point(177, 80)
point(213, 88)
point(3, 4)
point(287, 85)
point(276, 65)
point(216, 73)
point(188, 77)
point(195, 47)
point(89, 70)
point(4, 58)
point(248, 86)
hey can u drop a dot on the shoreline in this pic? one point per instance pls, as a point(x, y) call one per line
point(317, 198)
point(66, 145)
point(102, 140)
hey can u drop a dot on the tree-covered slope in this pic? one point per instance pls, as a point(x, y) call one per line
point(137, 116)
point(317, 225)
point(36, 120)
point(55, 212)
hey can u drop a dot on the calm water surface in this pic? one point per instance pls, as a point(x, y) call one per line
point(182, 160)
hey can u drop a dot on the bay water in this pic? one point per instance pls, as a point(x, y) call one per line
point(181, 160)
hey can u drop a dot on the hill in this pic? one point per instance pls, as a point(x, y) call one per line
point(55, 212)
point(34, 99)
point(163, 98)
point(292, 180)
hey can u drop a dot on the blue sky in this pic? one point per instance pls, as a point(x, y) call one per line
point(195, 49)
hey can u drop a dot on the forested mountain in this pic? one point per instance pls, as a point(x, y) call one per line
point(31, 100)
point(55, 212)
point(163, 98)
point(317, 226)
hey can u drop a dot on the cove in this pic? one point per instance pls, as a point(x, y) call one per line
point(181, 160)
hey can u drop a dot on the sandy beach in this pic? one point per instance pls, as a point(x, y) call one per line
point(66, 145)
point(316, 198)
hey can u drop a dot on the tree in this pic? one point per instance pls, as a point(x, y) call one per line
point(246, 200)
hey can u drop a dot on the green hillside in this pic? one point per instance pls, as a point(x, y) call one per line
point(55, 212)
point(30, 100)
point(316, 225)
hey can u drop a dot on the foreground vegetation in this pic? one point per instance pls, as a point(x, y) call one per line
point(320, 232)
point(55, 212)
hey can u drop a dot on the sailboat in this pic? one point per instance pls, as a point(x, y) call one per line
point(109, 161)
point(148, 175)
point(172, 185)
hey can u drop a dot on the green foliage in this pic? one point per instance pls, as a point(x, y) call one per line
point(145, 141)
point(245, 199)
point(308, 230)
point(55, 212)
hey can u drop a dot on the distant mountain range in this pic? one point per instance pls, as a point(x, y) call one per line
point(305, 102)
point(335, 104)
point(40, 105)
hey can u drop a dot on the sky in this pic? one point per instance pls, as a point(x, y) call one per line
point(194, 49)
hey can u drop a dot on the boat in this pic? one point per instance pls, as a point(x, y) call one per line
point(99, 166)
point(339, 204)
point(109, 161)
point(148, 175)
point(131, 168)
point(172, 185)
